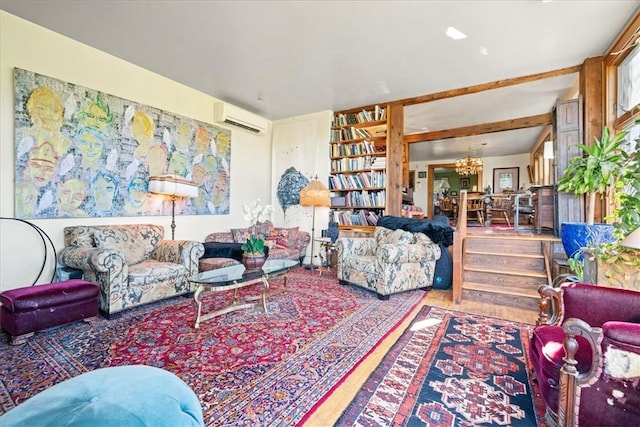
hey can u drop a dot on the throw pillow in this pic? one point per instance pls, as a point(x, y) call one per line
point(280, 235)
point(122, 240)
point(240, 235)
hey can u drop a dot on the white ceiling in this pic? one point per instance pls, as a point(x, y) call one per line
point(281, 59)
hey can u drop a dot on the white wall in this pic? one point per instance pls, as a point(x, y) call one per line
point(34, 48)
point(302, 142)
point(489, 163)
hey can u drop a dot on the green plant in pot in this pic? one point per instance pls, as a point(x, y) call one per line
point(595, 173)
point(618, 264)
point(253, 256)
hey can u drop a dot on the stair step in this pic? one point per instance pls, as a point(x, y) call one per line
point(483, 287)
point(503, 245)
point(499, 262)
point(512, 272)
point(489, 253)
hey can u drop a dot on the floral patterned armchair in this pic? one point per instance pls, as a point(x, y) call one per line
point(392, 261)
point(132, 264)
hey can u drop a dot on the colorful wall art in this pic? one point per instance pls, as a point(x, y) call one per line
point(84, 153)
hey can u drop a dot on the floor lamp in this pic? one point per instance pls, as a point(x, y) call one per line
point(317, 195)
point(173, 186)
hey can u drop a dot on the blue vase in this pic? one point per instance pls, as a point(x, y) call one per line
point(578, 235)
point(333, 231)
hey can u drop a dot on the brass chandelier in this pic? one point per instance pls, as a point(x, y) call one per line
point(468, 165)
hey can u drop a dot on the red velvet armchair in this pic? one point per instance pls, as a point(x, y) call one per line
point(585, 354)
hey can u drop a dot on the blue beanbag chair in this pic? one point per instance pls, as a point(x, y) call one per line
point(130, 396)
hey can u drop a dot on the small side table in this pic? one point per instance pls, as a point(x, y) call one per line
point(327, 249)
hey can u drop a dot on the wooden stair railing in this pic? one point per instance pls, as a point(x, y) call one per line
point(458, 251)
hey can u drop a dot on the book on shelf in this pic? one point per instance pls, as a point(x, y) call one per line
point(345, 119)
point(377, 131)
point(358, 217)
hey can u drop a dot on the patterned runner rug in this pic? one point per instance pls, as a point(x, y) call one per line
point(451, 369)
point(247, 367)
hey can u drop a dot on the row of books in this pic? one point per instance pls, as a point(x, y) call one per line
point(359, 180)
point(366, 198)
point(379, 163)
point(351, 133)
point(343, 119)
point(361, 217)
point(364, 147)
point(356, 164)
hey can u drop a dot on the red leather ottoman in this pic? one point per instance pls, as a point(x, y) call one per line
point(30, 309)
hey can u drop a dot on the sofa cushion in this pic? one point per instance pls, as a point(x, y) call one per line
point(123, 240)
point(155, 274)
point(240, 235)
point(207, 264)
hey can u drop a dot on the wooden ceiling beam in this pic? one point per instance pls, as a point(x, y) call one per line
point(487, 86)
point(521, 123)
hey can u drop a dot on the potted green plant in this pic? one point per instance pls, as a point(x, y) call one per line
point(594, 173)
point(616, 264)
point(253, 256)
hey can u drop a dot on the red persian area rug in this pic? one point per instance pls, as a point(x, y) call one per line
point(247, 367)
point(451, 369)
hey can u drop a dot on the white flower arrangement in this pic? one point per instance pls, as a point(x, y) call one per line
point(255, 214)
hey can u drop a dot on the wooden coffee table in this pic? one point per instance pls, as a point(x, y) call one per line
point(236, 277)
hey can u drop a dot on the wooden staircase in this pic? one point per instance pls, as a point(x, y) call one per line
point(503, 269)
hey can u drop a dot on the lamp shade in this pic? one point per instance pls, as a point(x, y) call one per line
point(314, 194)
point(632, 240)
point(172, 185)
point(548, 150)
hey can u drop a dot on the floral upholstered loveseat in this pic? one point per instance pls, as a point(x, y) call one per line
point(284, 243)
point(132, 264)
point(391, 261)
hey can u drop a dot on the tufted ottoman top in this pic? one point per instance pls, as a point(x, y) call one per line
point(129, 396)
point(48, 295)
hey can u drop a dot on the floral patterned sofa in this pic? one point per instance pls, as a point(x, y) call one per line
point(391, 261)
point(132, 264)
point(284, 243)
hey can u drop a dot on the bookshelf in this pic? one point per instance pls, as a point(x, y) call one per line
point(359, 179)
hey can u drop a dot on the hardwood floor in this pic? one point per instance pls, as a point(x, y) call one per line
point(332, 408)
point(443, 299)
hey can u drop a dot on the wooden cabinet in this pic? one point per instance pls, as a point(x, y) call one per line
point(542, 197)
point(358, 177)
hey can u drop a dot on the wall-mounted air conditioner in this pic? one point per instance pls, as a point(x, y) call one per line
point(234, 116)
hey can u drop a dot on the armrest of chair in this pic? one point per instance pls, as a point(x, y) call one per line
point(91, 259)
point(355, 246)
point(299, 240)
point(621, 341)
point(185, 252)
point(550, 306)
point(623, 334)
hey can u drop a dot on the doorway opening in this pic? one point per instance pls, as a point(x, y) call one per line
point(456, 183)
